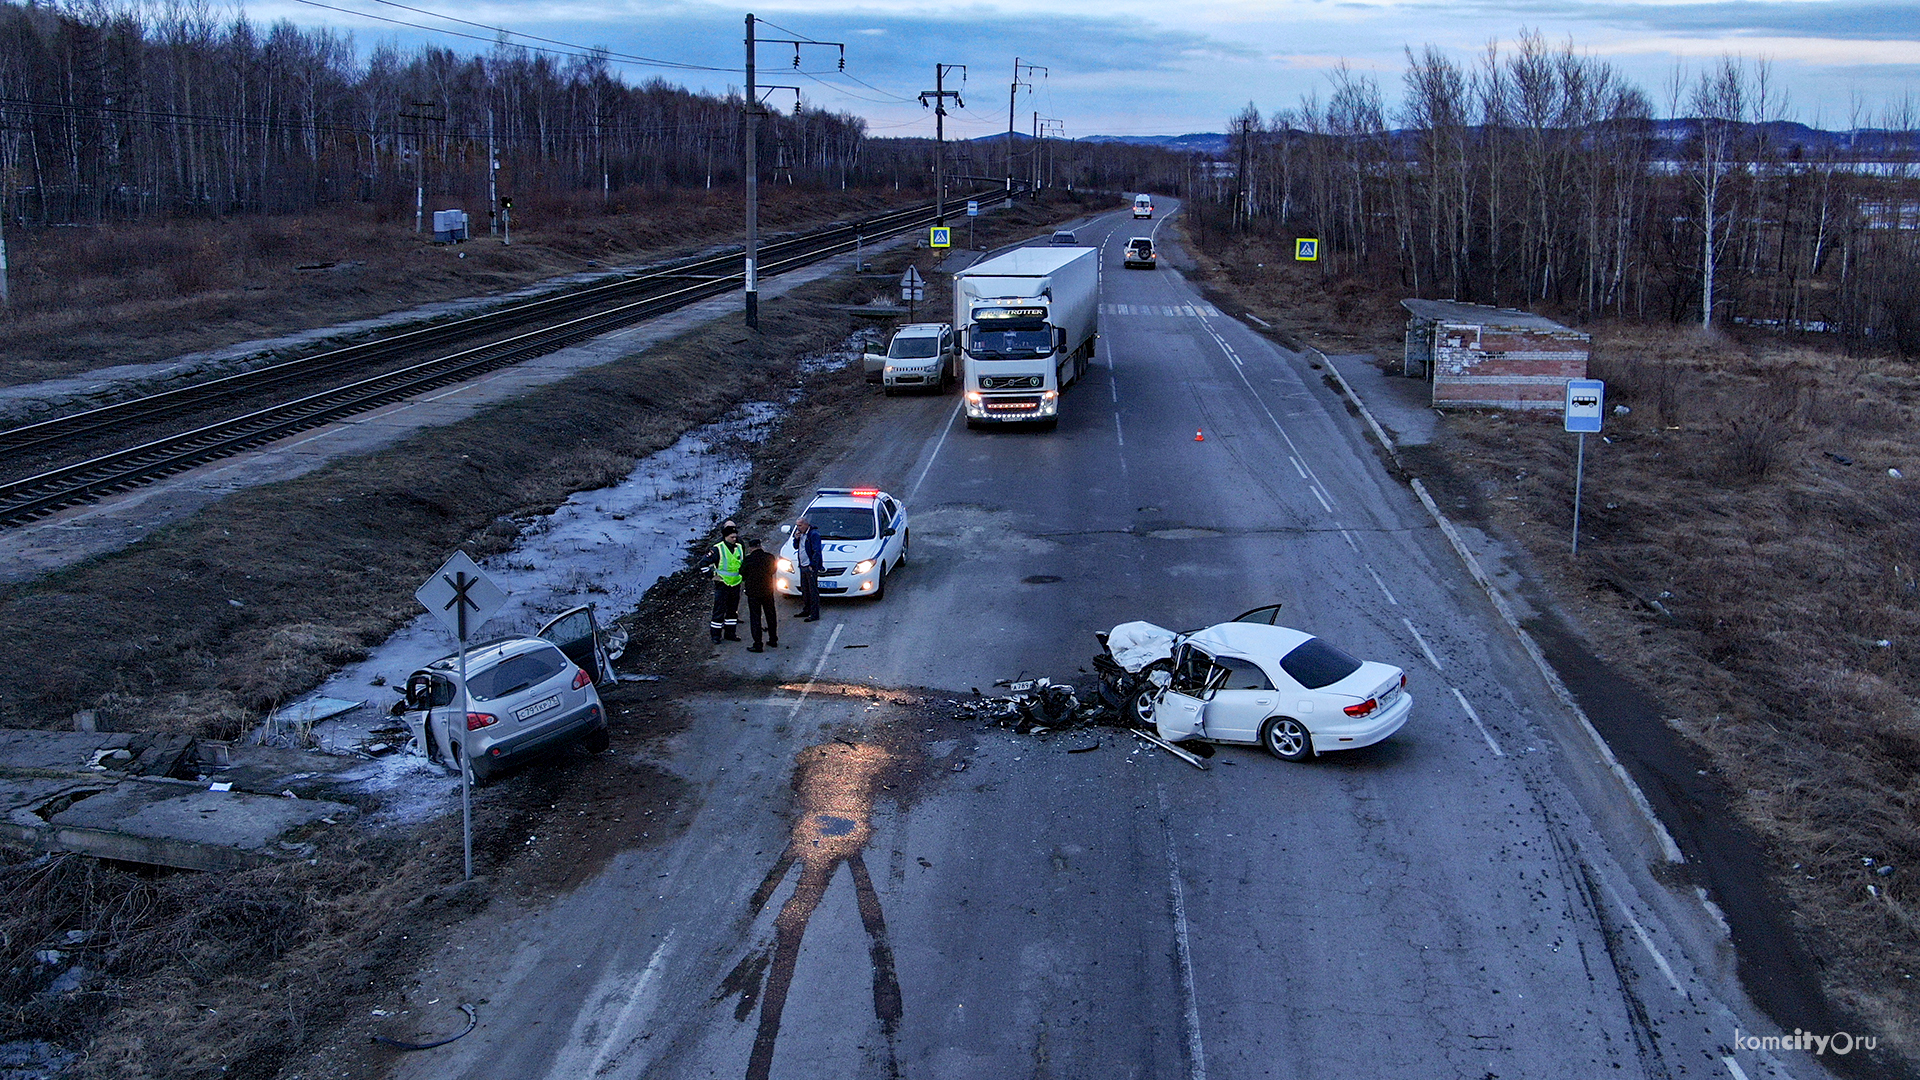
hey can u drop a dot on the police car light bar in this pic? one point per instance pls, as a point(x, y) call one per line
point(858, 493)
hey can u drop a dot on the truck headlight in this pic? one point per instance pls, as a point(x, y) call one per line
point(1049, 395)
point(973, 397)
point(863, 566)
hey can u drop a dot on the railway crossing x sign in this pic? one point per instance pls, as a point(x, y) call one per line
point(461, 596)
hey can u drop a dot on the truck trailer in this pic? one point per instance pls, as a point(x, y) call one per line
point(1027, 322)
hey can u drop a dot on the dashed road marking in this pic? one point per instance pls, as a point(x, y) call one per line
point(1422, 642)
point(1475, 717)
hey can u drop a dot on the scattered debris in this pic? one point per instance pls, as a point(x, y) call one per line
point(1841, 458)
point(641, 678)
point(853, 646)
point(1084, 749)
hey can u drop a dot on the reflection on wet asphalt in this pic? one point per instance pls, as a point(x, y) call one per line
point(834, 785)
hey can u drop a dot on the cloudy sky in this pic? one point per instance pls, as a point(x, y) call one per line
point(1158, 67)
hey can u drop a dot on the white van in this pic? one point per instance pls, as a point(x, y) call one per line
point(922, 356)
point(1143, 206)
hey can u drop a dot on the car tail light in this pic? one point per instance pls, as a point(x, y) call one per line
point(581, 678)
point(1363, 708)
point(478, 720)
point(1403, 680)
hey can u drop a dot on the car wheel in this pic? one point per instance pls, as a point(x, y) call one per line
point(1287, 739)
point(1146, 696)
point(597, 741)
point(880, 584)
point(482, 769)
point(906, 541)
point(888, 390)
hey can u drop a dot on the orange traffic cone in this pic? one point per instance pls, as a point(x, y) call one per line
point(1197, 437)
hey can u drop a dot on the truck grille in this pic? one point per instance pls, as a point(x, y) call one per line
point(1022, 403)
point(1012, 382)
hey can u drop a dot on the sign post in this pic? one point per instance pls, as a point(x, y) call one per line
point(462, 597)
point(1585, 399)
point(913, 289)
point(973, 211)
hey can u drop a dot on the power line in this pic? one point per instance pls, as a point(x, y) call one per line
point(583, 53)
point(631, 58)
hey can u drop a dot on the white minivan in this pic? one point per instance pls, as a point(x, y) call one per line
point(922, 356)
point(1143, 206)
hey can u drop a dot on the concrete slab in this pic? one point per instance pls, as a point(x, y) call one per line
point(54, 798)
point(185, 825)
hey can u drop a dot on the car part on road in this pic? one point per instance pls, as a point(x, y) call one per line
point(471, 1023)
point(1187, 756)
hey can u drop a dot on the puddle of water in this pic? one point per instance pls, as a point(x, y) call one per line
point(606, 547)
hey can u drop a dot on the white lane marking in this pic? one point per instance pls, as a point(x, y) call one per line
point(640, 986)
point(1383, 586)
point(1315, 488)
point(951, 417)
point(1348, 537)
point(1299, 468)
point(1641, 933)
point(1261, 321)
point(1196, 1053)
point(1118, 435)
point(1422, 642)
point(1734, 1068)
point(1475, 717)
point(817, 668)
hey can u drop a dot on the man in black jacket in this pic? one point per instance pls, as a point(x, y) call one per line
point(756, 577)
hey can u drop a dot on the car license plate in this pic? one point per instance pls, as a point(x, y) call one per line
point(539, 707)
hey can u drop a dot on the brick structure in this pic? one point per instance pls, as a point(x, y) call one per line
point(1492, 357)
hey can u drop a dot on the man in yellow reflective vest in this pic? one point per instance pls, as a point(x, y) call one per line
point(724, 559)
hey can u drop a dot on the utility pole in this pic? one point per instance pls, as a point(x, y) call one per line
point(940, 94)
point(1011, 95)
point(420, 159)
point(752, 102)
point(1041, 125)
point(493, 180)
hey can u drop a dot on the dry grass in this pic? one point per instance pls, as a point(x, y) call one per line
point(1746, 555)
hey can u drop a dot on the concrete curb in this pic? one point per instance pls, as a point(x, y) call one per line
point(1670, 849)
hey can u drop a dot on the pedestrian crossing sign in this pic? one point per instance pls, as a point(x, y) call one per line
point(1305, 250)
point(940, 236)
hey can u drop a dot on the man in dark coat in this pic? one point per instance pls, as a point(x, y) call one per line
point(809, 553)
point(756, 579)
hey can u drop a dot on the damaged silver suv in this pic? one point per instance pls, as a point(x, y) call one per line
point(527, 694)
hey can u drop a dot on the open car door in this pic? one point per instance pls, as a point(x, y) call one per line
point(1181, 710)
point(1265, 616)
point(577, 633)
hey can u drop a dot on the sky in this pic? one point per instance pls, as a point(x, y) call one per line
point(1170, 67)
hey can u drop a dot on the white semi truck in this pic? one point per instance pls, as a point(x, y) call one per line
point(1027, 322)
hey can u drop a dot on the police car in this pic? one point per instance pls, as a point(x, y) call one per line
point(863, 535)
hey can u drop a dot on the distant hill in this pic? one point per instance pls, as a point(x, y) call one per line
point(1789, 138)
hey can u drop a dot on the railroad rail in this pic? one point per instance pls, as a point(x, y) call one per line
point(557, 320)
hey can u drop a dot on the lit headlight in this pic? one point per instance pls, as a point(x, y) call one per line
point(785, 566)
point(863, 566)
point(973, 397)
point(1049, 395)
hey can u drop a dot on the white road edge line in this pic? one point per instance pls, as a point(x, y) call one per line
point(818, 667)
point(928, 467)
point(640, 985)
point(1646, 941)
point(1183, 951)
point(1667, 846)
point(1475, 717)
point(1264, 323)
point(1734, 1068)
point(1118, 436)
point(1422, 642)
point(1388, 594)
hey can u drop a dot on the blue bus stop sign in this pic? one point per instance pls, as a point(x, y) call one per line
point(1585, 399)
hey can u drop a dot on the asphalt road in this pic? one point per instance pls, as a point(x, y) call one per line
point(859, 890)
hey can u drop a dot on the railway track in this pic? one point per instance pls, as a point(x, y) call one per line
point(509, 336)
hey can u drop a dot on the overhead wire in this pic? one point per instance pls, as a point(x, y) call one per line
point(633, 58)
point(582, 53)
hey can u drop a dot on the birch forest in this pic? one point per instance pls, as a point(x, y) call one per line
point(1541, 178)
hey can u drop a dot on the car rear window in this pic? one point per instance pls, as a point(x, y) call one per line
point(1315, 664)
point(517, 673)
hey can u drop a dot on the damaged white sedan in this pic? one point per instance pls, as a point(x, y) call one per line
point(1255, 682)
